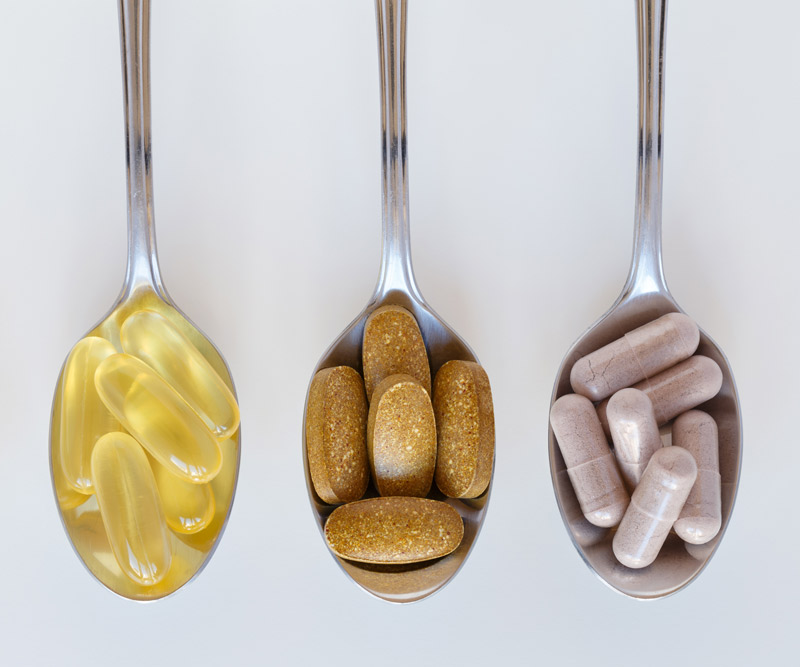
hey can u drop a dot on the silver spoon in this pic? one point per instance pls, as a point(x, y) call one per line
point(645, 297)
point(142, 289)
point(397, 286)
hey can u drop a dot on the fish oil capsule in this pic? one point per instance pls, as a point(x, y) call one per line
point(634, 432)
point(393, 345)
point(401, 437)
point(336, 435)
point(462, 404)
point(655, 505)
point(84, 418)
point(151, 337)
point(701, 517)
point(590, 463)
point(131, 511)
point(639, 354)
point(188, 508)
point(153, 412)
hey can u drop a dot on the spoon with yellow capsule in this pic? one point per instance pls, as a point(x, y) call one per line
point(144, 440)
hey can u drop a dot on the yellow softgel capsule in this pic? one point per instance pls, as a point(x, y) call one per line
point(158, 418)
point(130, 507)
point(188, 508)
point(152, 338)
point(84, 418)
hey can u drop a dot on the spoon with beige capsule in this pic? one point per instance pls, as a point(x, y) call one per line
point(645, 298)
point(144, 439)
point(397, 287)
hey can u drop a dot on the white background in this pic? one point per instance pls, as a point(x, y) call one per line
point(522, 142)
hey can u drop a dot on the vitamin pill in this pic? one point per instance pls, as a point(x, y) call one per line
point(634, 432)
point(188, 508)
point(701, 517)
point(152, 338)
point(130, 507)
point(393, 345)
point(164, 424)
point(655, 505)
point(639, 354)
point(336, 425)
point(590, 463)
point(84, 418)
point(401, 437)
point(394, 530)
point(462, 405)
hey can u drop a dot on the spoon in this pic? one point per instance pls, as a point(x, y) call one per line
point(644, 298)
point(397, 286)
point(143, 290)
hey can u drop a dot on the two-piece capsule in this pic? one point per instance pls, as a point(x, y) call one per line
point(634, 431)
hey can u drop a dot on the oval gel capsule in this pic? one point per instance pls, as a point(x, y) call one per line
point(158, 418)
point(130, 507)
point(634, 432)
point(188, 508)
point(590, 463)
point(655, 505)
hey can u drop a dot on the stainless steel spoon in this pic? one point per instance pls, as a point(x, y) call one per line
point(645, 297)
point(397, 286)
point(142, 289)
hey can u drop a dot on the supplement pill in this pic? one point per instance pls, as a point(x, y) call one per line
point(462, 404)
point(188, 508)
point(639, 354)
point(655, 505)
point(634, 432)
point(701, 517)
point(590, 463)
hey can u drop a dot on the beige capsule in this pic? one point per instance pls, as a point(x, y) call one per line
point(639, 354)
point(401, 437)
point(392, 345)
point(634, 432)
point(394, 530)
point(336, 435)
point(462, 405)
point(701, 517)
point(655, 505)
point(590, 463)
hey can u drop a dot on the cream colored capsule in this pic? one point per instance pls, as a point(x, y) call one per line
point(701, 517)
point(634, 432)
point(401, 437)
point(462, 404)
point(392, 345)
point(130, 507)
point(639, 354)
point(336, 435)
point(590, 463)
point(655, 505)
point(188, 508)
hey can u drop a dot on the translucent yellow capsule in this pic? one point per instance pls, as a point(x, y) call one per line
point(152, 338)
point(158, 418)
point(132, 515)
point(188, 508)
point(84, 418)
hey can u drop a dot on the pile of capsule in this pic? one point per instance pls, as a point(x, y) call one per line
point(386, 427)
point(627, 390)
point(140, 430)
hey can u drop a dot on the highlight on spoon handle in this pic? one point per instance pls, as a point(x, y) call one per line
point(647, 272)
point(396, 270)
point(134, 27)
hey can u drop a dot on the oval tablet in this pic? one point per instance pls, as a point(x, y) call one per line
point(401, 437)
point(394, 530)
point(336, 435)
point(393, 345)
point(130, 507)
point(634, 432)
point(462, 405)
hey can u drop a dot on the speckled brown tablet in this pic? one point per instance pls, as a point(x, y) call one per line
point(336, 420)
point(393, 344)
point(394, 530)
point(462, 404)
point(401, 437)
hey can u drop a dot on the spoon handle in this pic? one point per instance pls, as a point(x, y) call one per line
point(647, 273)
point(396, 271)
point(134, 28)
